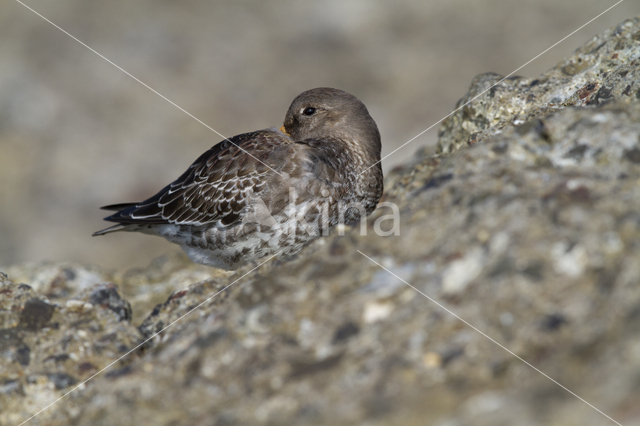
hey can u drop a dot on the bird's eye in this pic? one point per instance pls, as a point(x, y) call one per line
point(309, 111)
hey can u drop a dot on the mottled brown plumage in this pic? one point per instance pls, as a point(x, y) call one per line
point(266, 192)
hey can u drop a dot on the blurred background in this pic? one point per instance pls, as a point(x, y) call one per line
point(76, 133)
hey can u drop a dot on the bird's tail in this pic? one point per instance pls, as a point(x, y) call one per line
point(114, 228)
point(118, 207)
point(119, 226)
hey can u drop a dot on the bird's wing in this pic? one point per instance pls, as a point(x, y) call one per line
point(216, 187)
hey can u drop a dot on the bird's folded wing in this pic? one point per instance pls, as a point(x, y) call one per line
point(216, 187)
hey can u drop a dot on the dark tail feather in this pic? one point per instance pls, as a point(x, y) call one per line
point(118, 207)
point(114, 228)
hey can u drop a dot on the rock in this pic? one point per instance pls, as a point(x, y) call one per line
point(47, 347)
point(530, 234)
point(35, 315)
point(603, 70)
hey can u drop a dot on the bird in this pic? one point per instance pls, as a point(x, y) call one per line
point(271, 191)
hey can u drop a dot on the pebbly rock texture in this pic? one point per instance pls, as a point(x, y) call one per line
point(531, 235)
point(47, 347)
point(603, 70)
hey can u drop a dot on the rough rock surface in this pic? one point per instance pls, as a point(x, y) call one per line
point(531, 235)
point(604, 69)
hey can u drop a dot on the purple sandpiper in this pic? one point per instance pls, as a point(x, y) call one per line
point(270, 191)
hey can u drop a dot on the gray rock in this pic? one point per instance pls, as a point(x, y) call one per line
point(603, 70)
point(531, 235)
point(47, 347)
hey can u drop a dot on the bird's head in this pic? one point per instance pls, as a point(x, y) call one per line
point(331, 113)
